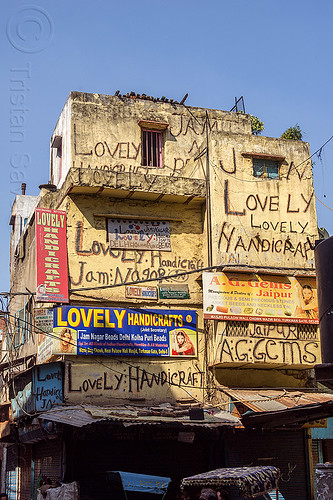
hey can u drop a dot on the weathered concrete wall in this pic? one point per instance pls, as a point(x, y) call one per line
point(93, 263)
point(284, 345)
point(255, 222)
point(105, 381)
point(256, 377)
point(268, 223)
point(23, 281)
point(21, 210)
point(262, 222)
point(59, 167)
point(105, 133)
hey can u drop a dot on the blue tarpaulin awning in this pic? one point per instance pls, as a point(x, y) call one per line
point(143, 483)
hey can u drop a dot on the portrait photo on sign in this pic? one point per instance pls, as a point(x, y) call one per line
point(64, 341)
point(183, 342)
point(307, 306)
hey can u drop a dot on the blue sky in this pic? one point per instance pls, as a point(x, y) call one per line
point(275, 53)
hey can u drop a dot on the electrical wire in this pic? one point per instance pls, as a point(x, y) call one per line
point(295, 167)
point(318, 199)
point(78, 291)
point(53, 335)
point(261, 266)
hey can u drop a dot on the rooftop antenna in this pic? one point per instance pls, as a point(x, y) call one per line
point(239, 105)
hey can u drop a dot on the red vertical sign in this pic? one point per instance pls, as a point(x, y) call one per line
point(51, 256)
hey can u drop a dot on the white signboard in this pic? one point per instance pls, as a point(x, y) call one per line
point(44, 331)
point(140, 235)
point(45, 350)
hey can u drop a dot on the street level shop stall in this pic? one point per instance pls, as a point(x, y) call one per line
point(161, 440)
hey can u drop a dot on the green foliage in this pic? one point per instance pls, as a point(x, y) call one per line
point(256, 125)
point(293, 133)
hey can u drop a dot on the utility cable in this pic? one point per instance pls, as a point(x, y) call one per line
point(77, 291)
point(329, 208)
point(53, 335)
point(260, 179)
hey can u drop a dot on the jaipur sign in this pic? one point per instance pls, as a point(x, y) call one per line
point(51, 256)
point(250, 297)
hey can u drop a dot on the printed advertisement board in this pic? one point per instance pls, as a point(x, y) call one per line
point(174, 291)
point(43, 322)
point(252, 297)
point(124, 332)
point(51, 256)
point(141, 235)
point(45, 350)
point(141, 292)
point(44, 333)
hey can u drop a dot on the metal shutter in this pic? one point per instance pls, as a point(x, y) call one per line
point(285, 449)
point(24, 476)
point(315, 451)
point(11, 472)
point(47, 460)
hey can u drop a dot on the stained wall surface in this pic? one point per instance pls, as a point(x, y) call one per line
point(97, 166)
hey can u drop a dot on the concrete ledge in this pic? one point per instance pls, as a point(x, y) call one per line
point(128, 185)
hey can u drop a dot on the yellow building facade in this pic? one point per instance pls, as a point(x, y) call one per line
point(233, 202)
point(186, 269)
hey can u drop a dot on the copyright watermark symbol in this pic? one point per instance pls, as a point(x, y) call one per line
point(30, 29)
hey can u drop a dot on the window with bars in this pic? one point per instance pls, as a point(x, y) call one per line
point(307, 332)
point(152, 148)
point(237, 328)
point(20, 328)
point(267, 169)
point(23, 324)
point(285, 331)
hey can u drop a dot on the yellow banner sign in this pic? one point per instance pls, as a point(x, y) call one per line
point(253, 297)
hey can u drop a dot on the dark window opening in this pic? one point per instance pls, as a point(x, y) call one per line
point(267, 169)
point(151, 148)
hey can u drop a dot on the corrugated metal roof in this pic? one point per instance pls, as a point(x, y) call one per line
point(82, 415)
point(266, 400)
point(75, 416)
